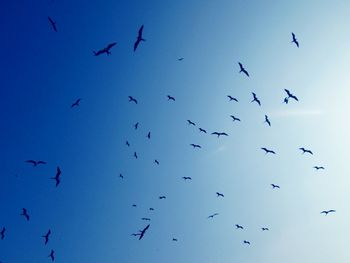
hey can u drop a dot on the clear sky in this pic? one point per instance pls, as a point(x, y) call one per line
point(90, 213)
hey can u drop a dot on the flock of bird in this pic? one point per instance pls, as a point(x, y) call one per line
point(141, 233)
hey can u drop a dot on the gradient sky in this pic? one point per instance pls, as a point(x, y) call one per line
point(90, 214)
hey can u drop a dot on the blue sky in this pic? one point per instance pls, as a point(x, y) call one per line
point(90, 214)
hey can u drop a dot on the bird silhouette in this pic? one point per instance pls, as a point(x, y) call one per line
point(186, 178)
point(106, 50)
point(149, 135)
point(170, 98)
point(145, 219)
point(127, 143)
point(133, 205)
point(267, 150)
point(255, 98)
point(232, 98)
point(235, 118)
point(53, 24)
point(156, 161)
point(46, 236)
point(239, 226)
point(143, 231)
point(246, 242)
point(180, 59)
point(275, 186)
point(174, 239)
point(328, 211)
point(195, 145)
point(139, 38)
point(294, 40)
point(151, 209)
point(25, 214)
point(162, 197)
point(219, 134)
point(242, 69)
point(121, 176)
point(136, 125)
point(219, 194)
point(191, 123)
point(132, 99)
point(264, 229)
point(135, 155)
point(290, 95)
point(267, 120)
point(57, 177)
point(202, 130)
point(35, 163)
point(52, 255)
point(306, 150)
point(76, 103)
point(2, 233)
point(319, 167)
point(212, 216)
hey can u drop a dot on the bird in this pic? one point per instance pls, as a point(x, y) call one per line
point(53, 23)
point(255, 99)
point(275, 186)
point(127, 143)
point(239, 226)
point(186, 178)
point(133, 205)
point(290, 95)
point(319, 167)
point(139, 38)
point(25, 214)
point(191, 123)
point(106, 49)
point(121, 176)
point(136, 125)
point(143, 231)
point(235, 118)
point(174, 239)
point(135, 155)
point(219, 134)
point(156, 161)
point(242, 69)
point(212, 216)
point(180, 59)
point(46, 236)
point(202, 130)
point(295, 40)
point(149, 135)
point(76, 103)
point(170, 98)
point(246, 242)
point(35, 163)
point(151, 209)
point(264, 229)
point(162, 197)
point(132, 99)
point(2, 233)
point(145, 219)
point(267, 150)
point(328, 211)
point(219, 194)
point(57, 176)
point(195, 145)
point(232, 98)
point(52, 255)
point(305, 150)
point(267, 120)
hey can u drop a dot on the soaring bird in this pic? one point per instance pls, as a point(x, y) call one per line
point(52, 255)
point(295, 40)
point(328, 211)
point(46, 236)
point(76, 103)
point(246, 242)
point(135, 155)
point(305, 150)
point(53, 23)
point(127, 143)
point(170, 98)
point(202, 130)
point(174, 239)
point(255, 98)
point(143, 231)
point(195, 145)
point(186, 178)
point(106, 49)
point(136, 125)
point(156, 161)
point(151, 209)
point(275, 186)
point(232, 98)
point(2, 233)
point(35, 163)
point(149, 135)
point(242, 69)
point(134, 205)
point(235, 118)
point(139, 38)
point(132, 99)
point(121, 176)
point(57, 176)
point(180, 59)
point(145, 219)
point(191, 123)
point(219, 134)
point(162, 197)
point(219, 194)
point(239, 226)
point(267, 150)
point(319, 167)
point(267, 120)
point(290, 95)
point(264, 229)
point(212, 216)
point(25, 213)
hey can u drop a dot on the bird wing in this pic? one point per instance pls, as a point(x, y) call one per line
point(140, 32)
point(111, 45)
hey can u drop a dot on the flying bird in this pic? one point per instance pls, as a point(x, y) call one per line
point(290, 95)
point(180, 59)
point(191, 123)
point(305, 150)
point(132, 99)
point(267, 150)
point(186, 178)
point(212, 216)
point(195, 145)
point(46, 236)
point(35, 163)
point(57, 176)
point(135, 155)
point(156, 161)
point(2, 233)
point(267, 120)
point(133, 205)
point(235, 118)
point(255, 98)
point(25, 213)
point(76, 103)
point(127, 143)
point(232, 98)
point(106, 49)
point(121, 176)
point(170, 98)
point(219, 134)
point(264, 229)
point(52, 255)
point(295, 40)
point(219, 194)
point(136, 125)
point(145, 219)
point(246, 242)
point(327, 211)
point(202, 130)
point(319, 167)
point(139, 38)
point(175, 239)
point(143, 231)
point(149, 135)
point(275, 186)
point(151, 209)
point(239, 226)
point(242, 69)
point(162, 197)
point(53, 23)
